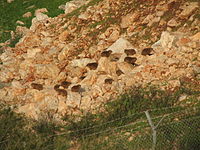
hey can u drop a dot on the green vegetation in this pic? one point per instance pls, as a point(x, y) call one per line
point(82, 8)
point(122, 125)
point(11, 12)
point(19, 133)
point(15, 40)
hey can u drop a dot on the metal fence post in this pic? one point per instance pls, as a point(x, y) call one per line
point(153, 128)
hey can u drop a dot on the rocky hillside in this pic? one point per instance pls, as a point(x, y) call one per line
point(73, 63)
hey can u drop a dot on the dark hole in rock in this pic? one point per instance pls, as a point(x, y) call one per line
point(82, 77)
point(37, 86)
point(129, 51)
point(108, 81)
point(92, 66)
point(119, 72)
point(147, 51)
point(61, 92)
point(106, 53)
point(56, 87)
point(76, 88)
point(65, 84)
point(130, 60)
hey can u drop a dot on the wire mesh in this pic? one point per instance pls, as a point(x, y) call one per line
point(179, 130)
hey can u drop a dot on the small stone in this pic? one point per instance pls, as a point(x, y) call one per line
point(32, 52)
point(46, 71)
point(30, 7)
point(148, 18)
point(41, 10)
point(19, 22)
point(84, 16)
point(196, 69)
point(72, 5)
point(9, 1)
point(188, 10)
point(108, 81)
point(37, 86)
point(147, 51)
point(64, 35)
point(160, 13)
point(173, 23)
point(167, 39)
point(130, 60)
point(92, 66)
point(130, 51)
point(65, 84)
point(81, 62)
point(76, 88)
point(41, 17)
point(27, 15)
point(62, 7)
point(113, 34)
point(182, 97)
point(154, 20)
point(105, 65)
point(196, 37)
point(106, 53)
point(127, 20)
point(21, 30)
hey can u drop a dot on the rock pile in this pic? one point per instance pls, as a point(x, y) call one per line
point(63, 66)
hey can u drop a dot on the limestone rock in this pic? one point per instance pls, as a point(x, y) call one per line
point(105, 65)
point(188, 9)
point(74, 99)
point(64, 35)
point(41, 10)
point(62, 7)
point(46, 71)
point(125, 67)
point(128, 19)
point(81, 62)
point(152, 21)
point(86, 102)
point(90, 79)
point(65, 66)
point(27, 15)
point(84, 16)
point(196, 37)
point(30, 110)
point(148, 19)
point(70, 6)
point(22, 30)
point(167, 40)
point(120, 45)
point(111, 34)
point(19, 22)
point(173, 23)
point(10, 1)
point(40, 16)
point(32, 52)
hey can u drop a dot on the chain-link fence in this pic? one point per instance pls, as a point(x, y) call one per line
point(172, 128)
point(169, 128)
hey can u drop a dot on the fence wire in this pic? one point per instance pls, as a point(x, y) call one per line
point(179, 130)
